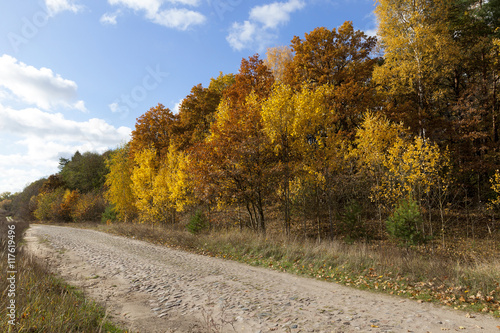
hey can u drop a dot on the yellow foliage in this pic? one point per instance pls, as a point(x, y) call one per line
point(172, 188)
point(414, 169)
point(143, 178)
point(277, 59)
point(161, 187)
point(495, 186)
point(119, 183)
point(68, 204)
point(373, 140)
point(399, 168)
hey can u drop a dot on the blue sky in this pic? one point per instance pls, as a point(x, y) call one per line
point(75, 75)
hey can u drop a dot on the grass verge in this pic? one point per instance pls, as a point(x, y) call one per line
point(43, 302)
point(416, 273)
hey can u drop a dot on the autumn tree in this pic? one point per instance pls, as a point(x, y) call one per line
point(155, 128)
point(420, 59)
point(291, 120)
point(332, 57)
point(171, 187)
point(253, 76)
point(234, 165)
point(474, 26)
point(119, 183)
point(277, 60)
point(68, 204)
point(279, 120)
point(143, 179)
point(495, 186)
point(221, 82)
point(374, 138)
point(48, 205)
point(342, 59)
point(178, 181)
point(197, 110)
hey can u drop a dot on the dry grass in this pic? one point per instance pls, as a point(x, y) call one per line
point(425, 273)
point(44, 303)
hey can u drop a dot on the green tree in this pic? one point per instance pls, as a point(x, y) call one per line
point(84, 172)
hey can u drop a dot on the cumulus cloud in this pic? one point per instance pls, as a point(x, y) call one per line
point(180, 19)
point(261, 27)
point(171, 17)
point(275, 14)
point(242, 34)
point(41, 138)
point(56, 6)
point(39, 87)
point(35, 123)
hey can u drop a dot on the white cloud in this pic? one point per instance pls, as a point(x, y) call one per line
point(171, 17)
point(42, 138)
point(275, 14)
point(39, 87)
point(56, 6)
point(180, 19)
point(261, 27)
point(109, 18)
point(242, 34)
point(114, 107)
point(32, 122)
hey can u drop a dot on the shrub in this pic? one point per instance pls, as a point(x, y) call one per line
point(197, 222)
point(351, 223)
point(89, 207)
point(404, 222)
point(109, 214)
point(48, 205)
point(68, 203)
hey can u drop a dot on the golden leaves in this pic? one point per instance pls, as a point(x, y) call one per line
point(400, 167)
point(119, 183)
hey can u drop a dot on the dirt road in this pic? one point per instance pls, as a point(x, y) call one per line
point(150, 288)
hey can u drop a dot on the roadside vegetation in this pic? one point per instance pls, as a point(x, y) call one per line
point(368, 161)
point(463, 277)
point(45, 303)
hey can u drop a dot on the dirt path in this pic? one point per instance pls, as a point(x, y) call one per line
point(150, 288)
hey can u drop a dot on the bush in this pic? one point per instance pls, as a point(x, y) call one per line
point(109, 214)
point(197, 222)
point(89, 207)
point(351, 223)
point(404, 222)
point(48, 206)
point(69, 201)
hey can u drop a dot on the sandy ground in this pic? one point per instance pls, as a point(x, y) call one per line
point(148, 288)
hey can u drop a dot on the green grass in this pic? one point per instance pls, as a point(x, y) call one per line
point(45, 303)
